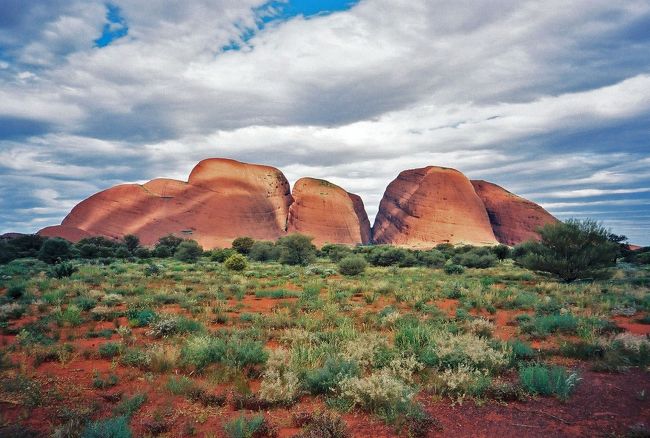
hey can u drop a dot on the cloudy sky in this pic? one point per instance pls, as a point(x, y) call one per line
point(550, 99)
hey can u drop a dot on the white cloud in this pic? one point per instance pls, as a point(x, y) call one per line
point(355, 96)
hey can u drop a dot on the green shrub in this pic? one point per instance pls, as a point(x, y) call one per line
point(162, 251)
point(452, 269)
point(243, 245)
point(117, 427)
point(384, 255)
point(71, 316)
point(543, 325)
point(129, 406)
point(280, 383)
point(572, 250)
point(326, 379)
point(381, 393)
point(336, 252)
point(55, 250)
point(85, 303)
point(180, 385)
point(152, 270)
point(352, 265)
point(461, 381)
point(62, 270)
point(264, 252)
point(140, 317)
point(501, 252)
point(109, 350)
point(236, 262)
point(234, 350)
point(248, 427)
point(188, 251)
point(169, 241)
point(544, 380)
point(476, 258)
point(220, 255)
point(296, 249)
point(320, 425)
point(431, 258)
point(16, 290)
point(521, 350)
point(103, 383)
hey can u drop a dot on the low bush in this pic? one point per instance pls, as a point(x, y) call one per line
point(117, 427)
point(264, 252)
point(325, 380)
point(381, 393)
point(130, 406)
point(249, 427)
point(62, 270)
point(188, 251)
point(548, 380)
point(243, 245)
point(296, 249)
point(236, 262)
point(180, 385)
point(543, 325)
point(280, 384)
point(352, 265)
point(460, 382)
point(453, 269)
point(109, 350)
point(234, 350)
point(320, 425)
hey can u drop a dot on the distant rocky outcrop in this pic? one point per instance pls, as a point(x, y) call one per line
point(328, 213)
point(513, 218)
point(225, 199)
point(425, 207)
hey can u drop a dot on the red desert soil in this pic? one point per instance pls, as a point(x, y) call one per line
point(629, 324)
point(424, 207)
point(603, 404)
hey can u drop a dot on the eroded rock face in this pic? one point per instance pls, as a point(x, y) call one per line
point(222, 200)
point(225, 199)
point(70, 234)
point(424, 207)
point(513, 218)
point(328, 213)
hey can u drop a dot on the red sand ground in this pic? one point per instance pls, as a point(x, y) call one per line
point(603, 404)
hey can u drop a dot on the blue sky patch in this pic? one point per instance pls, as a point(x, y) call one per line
point(279, 10)
point(115, 28)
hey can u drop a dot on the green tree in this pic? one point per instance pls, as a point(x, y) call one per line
point(55, 250)
point(571, 250)
point(296, 249)
point(243, 245)
point(170, 241)
point(188, 251)
point(132, 242)
point(264, 252)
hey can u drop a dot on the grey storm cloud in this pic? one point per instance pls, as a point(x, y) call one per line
point(549, 99)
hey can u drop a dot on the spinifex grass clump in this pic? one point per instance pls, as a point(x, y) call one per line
point(545, 380)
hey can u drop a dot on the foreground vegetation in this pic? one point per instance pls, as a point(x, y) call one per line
point(213, 342)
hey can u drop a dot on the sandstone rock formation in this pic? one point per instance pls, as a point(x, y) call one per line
point(71, 234)
point(424, 207)
point(328, 213)
point(225, 199)
point(222, 200)
point(513, 218)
